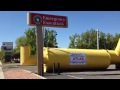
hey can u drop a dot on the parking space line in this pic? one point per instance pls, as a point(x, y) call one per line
point(74, 77)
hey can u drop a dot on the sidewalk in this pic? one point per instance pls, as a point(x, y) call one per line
point(1, 72)
point(16, 71)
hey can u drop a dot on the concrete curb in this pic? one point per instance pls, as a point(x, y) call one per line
point(35, 74)
point(1, 72)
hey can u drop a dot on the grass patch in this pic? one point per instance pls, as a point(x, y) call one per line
point(3, 62)
point(10, 66)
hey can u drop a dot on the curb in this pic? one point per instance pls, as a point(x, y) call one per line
point(0, 63)
point(35, 74)
point(1, 72)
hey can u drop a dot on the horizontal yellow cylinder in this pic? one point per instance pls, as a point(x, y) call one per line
point(92, 58)
point(95, 59)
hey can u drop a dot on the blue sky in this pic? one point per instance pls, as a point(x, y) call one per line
point(14, 23)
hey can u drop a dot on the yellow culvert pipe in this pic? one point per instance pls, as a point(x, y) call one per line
point(115, 54)
point(73, 59)
point(93, 59)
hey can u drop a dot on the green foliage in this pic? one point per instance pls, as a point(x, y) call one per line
point(29, 38)
point(2, 54)
point(50, 38)
point(21, 41)
point(13, 52)
point(102, 40)
point(88, 40)
point(73, 41)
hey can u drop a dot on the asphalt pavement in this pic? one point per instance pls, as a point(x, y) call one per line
point(110, 73)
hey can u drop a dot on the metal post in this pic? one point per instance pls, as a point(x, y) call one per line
point(58, 68)
point(53, 68)
point(39, 45)
point(43, 35)
point(97, 38)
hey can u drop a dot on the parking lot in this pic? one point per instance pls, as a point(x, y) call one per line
point(110, 73)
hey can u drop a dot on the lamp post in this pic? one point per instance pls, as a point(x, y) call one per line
point(97, 38)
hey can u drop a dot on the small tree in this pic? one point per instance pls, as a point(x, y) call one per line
point(2, 54)
point(29, 38)
point(88, 40)
point(13, 52)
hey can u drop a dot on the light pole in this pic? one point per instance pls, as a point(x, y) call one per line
point(97, 38)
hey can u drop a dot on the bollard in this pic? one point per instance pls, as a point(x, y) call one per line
point(58, 68)
point(117, 66)
point(42, 69)
point(53, 68)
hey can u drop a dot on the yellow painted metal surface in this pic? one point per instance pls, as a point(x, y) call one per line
point(114, 58)
point(95, 59)
point(118, 47)
point(115, 54)
point(27, 59)
point(25, 55)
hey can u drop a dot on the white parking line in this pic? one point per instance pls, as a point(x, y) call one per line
point(74, 77)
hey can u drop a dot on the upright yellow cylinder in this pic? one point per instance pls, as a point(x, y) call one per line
point(94, 59)
point(24, 54)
